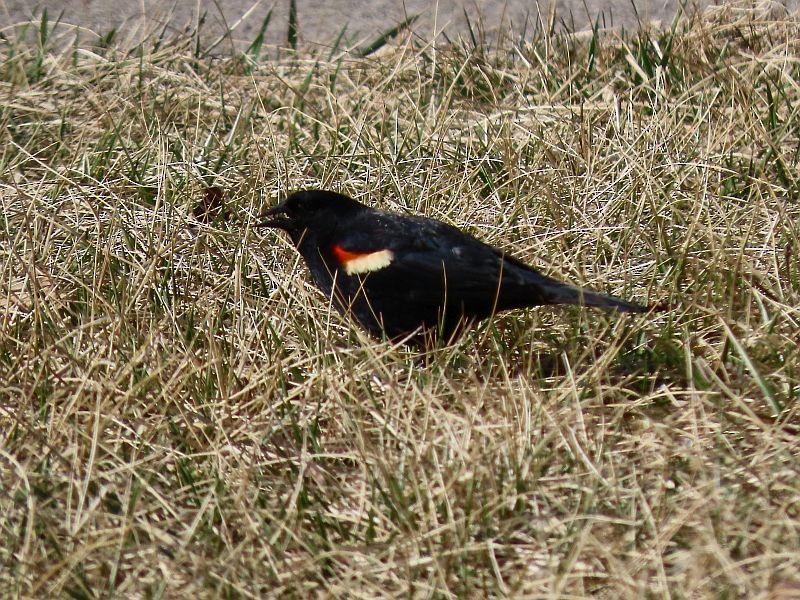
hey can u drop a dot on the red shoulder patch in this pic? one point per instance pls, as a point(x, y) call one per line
point(362, 262)
point(345, 256)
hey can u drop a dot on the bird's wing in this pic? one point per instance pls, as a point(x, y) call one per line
point(433, 259)
point(440, 263)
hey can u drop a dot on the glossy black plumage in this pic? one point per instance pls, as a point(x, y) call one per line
point(413, 275)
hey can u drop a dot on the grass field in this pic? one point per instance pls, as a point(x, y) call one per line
point(181, 415)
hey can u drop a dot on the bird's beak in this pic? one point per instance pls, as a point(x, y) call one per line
point(275, 217)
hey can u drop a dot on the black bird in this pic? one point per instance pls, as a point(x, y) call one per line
point(406, 276)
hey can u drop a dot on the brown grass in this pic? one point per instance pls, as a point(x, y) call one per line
point(183, 416)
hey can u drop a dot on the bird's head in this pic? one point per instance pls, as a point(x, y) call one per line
point(310, 210)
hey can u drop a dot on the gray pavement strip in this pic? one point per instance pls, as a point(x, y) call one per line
point(321, 21)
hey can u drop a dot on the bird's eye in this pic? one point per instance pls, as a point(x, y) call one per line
point(296, 206)
point(308, 206)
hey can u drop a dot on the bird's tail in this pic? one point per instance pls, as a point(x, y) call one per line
point(556, 292)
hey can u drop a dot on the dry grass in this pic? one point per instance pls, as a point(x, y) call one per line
point(182, 416)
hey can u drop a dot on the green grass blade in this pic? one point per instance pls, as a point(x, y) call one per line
point(387, 35)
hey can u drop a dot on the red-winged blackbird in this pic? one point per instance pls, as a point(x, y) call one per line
point(400, 275)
